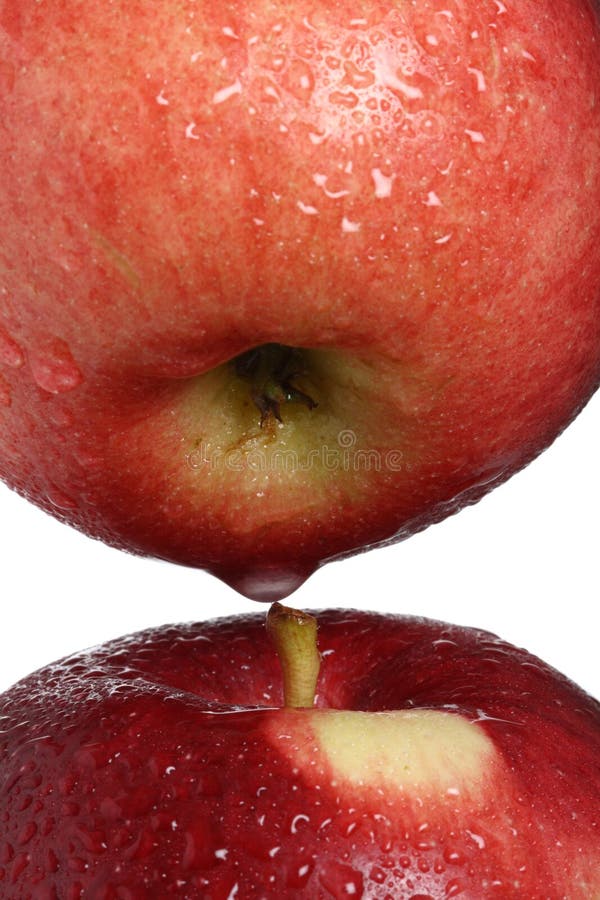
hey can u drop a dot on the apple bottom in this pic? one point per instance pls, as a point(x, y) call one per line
point(438, 762)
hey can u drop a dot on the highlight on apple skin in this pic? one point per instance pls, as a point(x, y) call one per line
point(282, 281)
point(438, 761)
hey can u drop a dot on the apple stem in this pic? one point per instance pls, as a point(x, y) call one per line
point(294, 634)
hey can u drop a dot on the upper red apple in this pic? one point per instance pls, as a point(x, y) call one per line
point(377, 223)
point(440, 762)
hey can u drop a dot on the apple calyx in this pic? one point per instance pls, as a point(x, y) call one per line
point(271, 370)
point(294, 634)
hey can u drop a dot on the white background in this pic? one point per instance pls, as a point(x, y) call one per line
point(522, 563)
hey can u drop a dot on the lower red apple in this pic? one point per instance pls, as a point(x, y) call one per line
point(438, 762)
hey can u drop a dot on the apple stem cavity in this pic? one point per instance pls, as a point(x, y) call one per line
point(294, 634)
point(271, 370)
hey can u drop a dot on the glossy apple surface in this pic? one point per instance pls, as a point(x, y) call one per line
point(438, 762)
point(397, 205)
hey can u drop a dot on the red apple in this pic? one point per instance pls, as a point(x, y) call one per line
point(439, 762)
point(280, 281)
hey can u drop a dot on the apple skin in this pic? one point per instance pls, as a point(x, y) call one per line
point(409, 197)
point(160, 765)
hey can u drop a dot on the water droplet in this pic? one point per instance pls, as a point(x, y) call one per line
point(189, 132)
point(276, 62)
point(299, 80)
point(383, 183)
point(475, 136)
point(353, 46)
point(5, 393)
point(349, 227)
point(26, 833)
point(227, 92)
point(266, 584)
point(10, 352)
point(52, 862)
point(453, 857)
point(110, 809)
point(47, 826)
point(299, 873)
point(305, 50)
point(479, 78)
point(346, 99)
point(307, 209)
point(430, 124)
point(477, 838)
point(60, 500)
point(341, 881)
point(20, 864)
point(7, 853)
point(76, 864)
point(357, 78)
point(54, 369)
point(377, 875)
point(266, 89)
point(301, 817)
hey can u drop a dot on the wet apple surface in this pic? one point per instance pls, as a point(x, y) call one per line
point(438, 762)
point(406, 196)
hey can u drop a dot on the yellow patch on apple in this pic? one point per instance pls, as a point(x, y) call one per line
point(408, 749)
